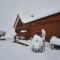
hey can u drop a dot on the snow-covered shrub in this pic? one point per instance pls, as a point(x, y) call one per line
point(37, 44)
point(54, 41)
point(38, 41)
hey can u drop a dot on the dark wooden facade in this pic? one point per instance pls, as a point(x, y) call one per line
point(51, 24)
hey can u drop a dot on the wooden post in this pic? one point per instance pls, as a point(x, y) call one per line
point(15, 38)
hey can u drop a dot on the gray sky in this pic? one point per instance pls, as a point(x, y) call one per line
point(10, 8)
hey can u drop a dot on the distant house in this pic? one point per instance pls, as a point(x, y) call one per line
point(50, 23)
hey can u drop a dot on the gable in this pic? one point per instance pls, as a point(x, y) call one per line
point(17, 20)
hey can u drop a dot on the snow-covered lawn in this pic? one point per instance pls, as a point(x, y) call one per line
point(14, 51)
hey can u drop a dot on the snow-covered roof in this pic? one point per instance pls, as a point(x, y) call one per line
point(33, 18)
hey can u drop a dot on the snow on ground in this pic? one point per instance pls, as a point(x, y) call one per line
point(14, 51)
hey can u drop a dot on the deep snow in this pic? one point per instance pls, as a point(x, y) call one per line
point(14, 51)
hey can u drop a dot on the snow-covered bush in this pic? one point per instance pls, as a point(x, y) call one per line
point(54, 41)
point(37, 43)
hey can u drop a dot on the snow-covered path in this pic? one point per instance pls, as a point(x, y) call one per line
point(14, 51)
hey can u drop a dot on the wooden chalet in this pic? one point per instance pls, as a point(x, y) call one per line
point(51, 24)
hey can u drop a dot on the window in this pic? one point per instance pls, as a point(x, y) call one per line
point(23, 30)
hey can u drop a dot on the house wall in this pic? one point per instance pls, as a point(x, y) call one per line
point(51, 24)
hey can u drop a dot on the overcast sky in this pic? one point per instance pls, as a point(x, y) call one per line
point(10, 8)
